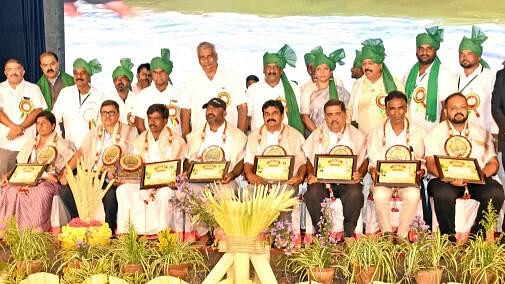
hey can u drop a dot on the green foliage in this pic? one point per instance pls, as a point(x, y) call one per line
point(481, 259)
point(27, 244)
point(490, 218)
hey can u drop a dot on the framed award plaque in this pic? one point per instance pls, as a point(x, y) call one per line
point(398, 173)
point(452, 168)
point(274, 168)
point(160, 174)
point(27, 174)
point(206, 172)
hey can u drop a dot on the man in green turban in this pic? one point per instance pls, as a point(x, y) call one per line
point(309, 57)
point(53, 79)
point(476, 80)
point(428, 82)
point(78, 106)
point(122, 77)
point(356, 71)
point(366, 105)
point(276, 86)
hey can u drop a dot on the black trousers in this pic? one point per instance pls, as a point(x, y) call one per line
point(445, 195)
point(109, 205)
point(352, 199)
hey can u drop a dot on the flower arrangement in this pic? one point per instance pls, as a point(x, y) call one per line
point(78, 231)
point(281, 235)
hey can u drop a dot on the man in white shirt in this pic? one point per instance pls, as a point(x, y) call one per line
point(144, 78)
point(78, 106)
point(212, 81)
point(20, 102)
point(122, 77)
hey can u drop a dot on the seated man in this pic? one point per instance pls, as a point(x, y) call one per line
point(399, 133)
point(335, 132)
point(148, 209)
point(445, 193)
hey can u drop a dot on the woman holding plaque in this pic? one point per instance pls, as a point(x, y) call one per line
point(31, 204)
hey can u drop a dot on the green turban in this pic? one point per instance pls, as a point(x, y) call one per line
point(285, 55)
point(433, 37)
point(91, 67)
point(357, 60)
point(162, 62)
point(373, 49)
point(310, 56)
point(124, 69)
point(474, 44)
point(331, 60)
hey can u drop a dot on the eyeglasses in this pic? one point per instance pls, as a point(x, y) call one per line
point(108, 113)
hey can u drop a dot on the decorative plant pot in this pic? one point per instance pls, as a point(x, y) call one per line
point(489, 279)
point(366, 276)
point(433, 276)
point(133, 268)
point(490, 236)
point(177, 270)
point(323, 275)
point(29, 266)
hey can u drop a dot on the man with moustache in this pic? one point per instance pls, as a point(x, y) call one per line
point(52, 80)
point(310, 85)
point(78, 106)
point(445, 193)
point(366, 105)
point(161, 92)
point(143, 76)
point(20, 103)
point(335, 132)
point(149, 209)
point(276, 86)
point(122, 77)
point(212, 81)
point(356, 69)
point(428, 83)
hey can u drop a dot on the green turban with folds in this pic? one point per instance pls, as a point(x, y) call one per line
point(162, 62)
point(91, 67)
point(373, 49)
point(124, 69)
point(310, 56)
point(474, 44)
point(286, 55)
point(357, 60)
point(433, 37)
point(331, 60)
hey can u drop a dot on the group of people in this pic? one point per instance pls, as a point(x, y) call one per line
point(274, 116)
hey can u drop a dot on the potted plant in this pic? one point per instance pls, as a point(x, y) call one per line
point(483, 262)
point(175, 257)
point(28, 248)
point(489, 221)
point(81, 252)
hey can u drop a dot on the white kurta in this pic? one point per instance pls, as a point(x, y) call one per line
point(199, 90)
point(76, 114)
point(126, 107)
point(10, 100)
point(261, 92)
point(447, 84)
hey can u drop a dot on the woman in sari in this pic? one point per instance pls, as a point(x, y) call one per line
point(31, 205)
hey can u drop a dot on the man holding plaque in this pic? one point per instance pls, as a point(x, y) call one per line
point(101, 149)
point(398, 140)
point(463, 140)
point(428, 83)
point(336, 137)
point(366, 104)
point(78, 105)
point(148, 208)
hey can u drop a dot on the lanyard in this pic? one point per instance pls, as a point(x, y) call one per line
point(82, 102)
point(474, 77)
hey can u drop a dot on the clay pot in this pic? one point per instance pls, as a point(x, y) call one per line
point(433, 276)
point(322, 275)
point(490, 236)
point(491, 279)
point(133, 268)
point(177, 270)
point(29, 266)
point(365, 276)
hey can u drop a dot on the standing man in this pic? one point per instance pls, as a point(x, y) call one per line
point(20, 103)
point(78, 105)
point(482, 149)
point(356, 69)
point(212, 81)
point(161, 92)
point(336, 132)
point(52, 80)
point(143, 76)
point(122, 77)
point(270, 89)
point(428, 83)
point(366, 105)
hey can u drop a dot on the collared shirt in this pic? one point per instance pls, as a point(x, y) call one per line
point(10, 100)
point(126, 107)
point(161, 149)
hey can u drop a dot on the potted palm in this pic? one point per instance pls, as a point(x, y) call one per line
point(483, 262)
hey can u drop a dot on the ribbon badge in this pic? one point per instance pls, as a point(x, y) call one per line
point(173, 113)
point(473, 102)
point(25, 106)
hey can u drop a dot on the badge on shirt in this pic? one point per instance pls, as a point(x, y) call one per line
point(173, 112)
point(25, 106)
point(473, 101)
point(225, 96)
point(420, 96)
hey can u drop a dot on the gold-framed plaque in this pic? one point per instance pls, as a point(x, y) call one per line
point(27, 174)
point(335, 168)
point(452, 168)
point(205, 172)
point(398, 153)
point(213, 153)
point(130, 169)
point(458, 146)
point(111, 155)
point(274, 168)
point(159, 174)
point(398, 173)
point(47, 155)
point(341, 150)
point(274, 150)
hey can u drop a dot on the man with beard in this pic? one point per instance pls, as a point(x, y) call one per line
point(144, 77)
point(122, 77)
point(212, 81)
point(476, 80)
point(366, 105)
point(78, 106)
point(270, 89)
point(356, 69)
point(20, 103)
point(52, 80)
point(445, 193)
point(428, 83)
point(161, 92)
